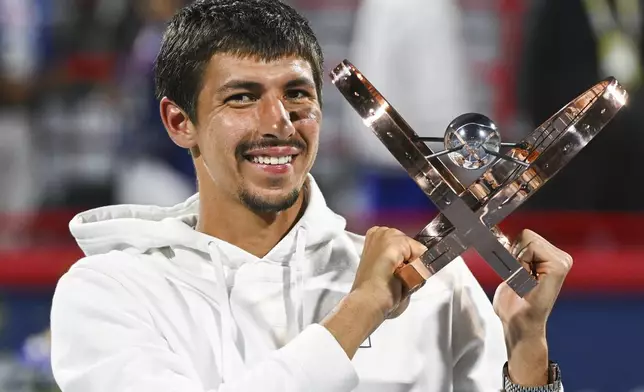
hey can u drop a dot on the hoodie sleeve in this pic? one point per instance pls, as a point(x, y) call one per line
point(478, 346)
point(103, 340)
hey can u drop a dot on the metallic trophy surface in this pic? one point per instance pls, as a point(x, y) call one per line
point(469, 215)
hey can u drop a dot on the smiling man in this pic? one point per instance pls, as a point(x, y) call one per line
point(253, 284)
point(258, 156)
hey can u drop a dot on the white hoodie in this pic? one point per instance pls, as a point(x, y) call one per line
point(157, 306)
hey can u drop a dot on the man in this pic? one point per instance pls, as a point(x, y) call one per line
point(253, 284)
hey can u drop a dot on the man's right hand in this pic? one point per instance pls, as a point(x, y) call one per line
point(384, 250)
point(377, 294)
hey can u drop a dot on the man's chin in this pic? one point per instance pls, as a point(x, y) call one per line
point(264, 203)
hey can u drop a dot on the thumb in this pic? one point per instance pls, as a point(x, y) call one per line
point(417, 249)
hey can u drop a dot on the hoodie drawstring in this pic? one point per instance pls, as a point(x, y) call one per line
point(300, 266)
point(231, 360)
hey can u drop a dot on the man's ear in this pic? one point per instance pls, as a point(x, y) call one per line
point(178, 124)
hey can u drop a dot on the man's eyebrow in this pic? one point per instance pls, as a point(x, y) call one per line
point(300, 82)
point(239, 84)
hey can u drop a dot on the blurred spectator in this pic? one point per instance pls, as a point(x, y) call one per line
point(36, 359)
point(412, 52)
point(569, 46)
point(20, 62)
point(152, 162)
point(78, 117)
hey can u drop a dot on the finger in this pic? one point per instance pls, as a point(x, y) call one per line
point(378, 231)
point(522, 240)
point(393, 233)
point(417, 248)
point(372, 230)
point(410, 249)
point(369, 234)
point(525, 256)
point(372, 235)
point(540, 258)
point(397, 241)
point(400, 252)
point(535, 235)
point(526, 236)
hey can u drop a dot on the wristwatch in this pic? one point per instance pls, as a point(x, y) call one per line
point(554, 381)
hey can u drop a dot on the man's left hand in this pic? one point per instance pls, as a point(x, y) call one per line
point(524, 319)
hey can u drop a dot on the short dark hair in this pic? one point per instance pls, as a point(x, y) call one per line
point(266, 29)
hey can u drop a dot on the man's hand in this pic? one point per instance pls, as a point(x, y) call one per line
point(384, 250)
point(377, 294)
point(524, 319)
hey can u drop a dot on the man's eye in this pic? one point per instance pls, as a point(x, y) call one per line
point(241, 98)
point(297, 94)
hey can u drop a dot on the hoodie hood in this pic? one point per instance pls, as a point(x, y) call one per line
point(238, 285)
point(139, 228)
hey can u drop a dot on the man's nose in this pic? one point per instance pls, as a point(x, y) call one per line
point(275, 119)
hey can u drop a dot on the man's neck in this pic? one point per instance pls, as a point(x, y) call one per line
point(229, 220)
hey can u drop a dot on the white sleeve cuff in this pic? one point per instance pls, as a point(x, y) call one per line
point(322, 363)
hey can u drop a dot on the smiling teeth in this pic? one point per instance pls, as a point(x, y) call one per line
point(264, 160)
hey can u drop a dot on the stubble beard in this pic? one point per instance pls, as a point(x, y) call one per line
point(259, 204)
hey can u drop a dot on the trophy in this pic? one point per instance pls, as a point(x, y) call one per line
point(469, 215)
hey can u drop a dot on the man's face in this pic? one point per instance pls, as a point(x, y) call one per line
point(258, 128)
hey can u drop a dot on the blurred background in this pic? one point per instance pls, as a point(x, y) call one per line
point(79, 129)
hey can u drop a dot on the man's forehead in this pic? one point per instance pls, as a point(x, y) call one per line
point(224, 67)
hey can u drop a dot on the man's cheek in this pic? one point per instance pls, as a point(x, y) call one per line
point(306, 116)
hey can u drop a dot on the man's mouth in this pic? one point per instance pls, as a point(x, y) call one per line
point(274, 160)
point(271, 160)
point(273, 156)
